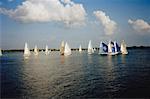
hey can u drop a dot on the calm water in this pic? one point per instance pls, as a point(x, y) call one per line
point(76, 76)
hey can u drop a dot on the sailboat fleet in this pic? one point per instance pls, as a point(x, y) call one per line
point(112, 48)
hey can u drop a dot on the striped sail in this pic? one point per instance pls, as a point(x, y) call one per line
point(103, 49)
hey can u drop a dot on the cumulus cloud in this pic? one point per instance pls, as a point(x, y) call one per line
point(66, 1)
point(10, 0)
point(109, 25)
point(140, 25)
point(65, 11)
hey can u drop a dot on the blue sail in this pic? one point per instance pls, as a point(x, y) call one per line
point(113, 47)
point(103, 48)
point(117, 48)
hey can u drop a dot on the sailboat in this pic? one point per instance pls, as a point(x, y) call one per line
point(103, 49)
point(46, 50)
point(36, 50)
point(80, 49)
point(67, 50)
point(26, 50)
point(1, 52)
point(90, 48)
point(123, 48)
point(111, 48)
point(62, 48)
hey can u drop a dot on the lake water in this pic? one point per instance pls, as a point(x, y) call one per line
point(76, 76)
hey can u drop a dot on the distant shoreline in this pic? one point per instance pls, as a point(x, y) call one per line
point(73, 49)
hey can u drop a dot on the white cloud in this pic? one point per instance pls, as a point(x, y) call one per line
point(64, 11)
point(10, 0)
point(109, 25)
point(140, 25)
point(66, 1)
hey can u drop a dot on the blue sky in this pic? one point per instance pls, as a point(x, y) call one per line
point(14, 32)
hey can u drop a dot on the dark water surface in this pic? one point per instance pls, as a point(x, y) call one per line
point(77, 76)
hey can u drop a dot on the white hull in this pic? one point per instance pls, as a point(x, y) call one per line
point(109, 53)
point(112, 53)
point(103, 53)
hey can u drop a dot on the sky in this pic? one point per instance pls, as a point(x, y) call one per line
point(48, 22)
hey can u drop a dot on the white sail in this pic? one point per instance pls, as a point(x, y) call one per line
point(67, 50)
point(26, 50)
point(101, 48)
point(46, 50)
point(123, 48)
point(109, 47)
point(36, 50)
point(1, 52)
point(80, 49)
point(90, 48)
point(62, 47)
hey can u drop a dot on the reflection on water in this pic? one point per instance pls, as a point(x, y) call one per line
point(110, 77)
point(76, 76)
point(62, 59)
point(89, 58)
point(110, 69)
point(123, 57)
point(35, 78)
